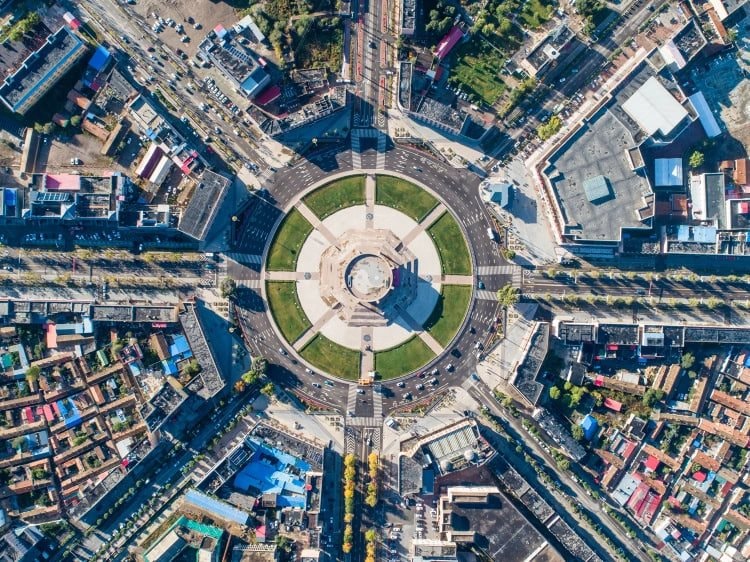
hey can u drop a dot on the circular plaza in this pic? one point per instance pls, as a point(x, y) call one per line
point(368, 275)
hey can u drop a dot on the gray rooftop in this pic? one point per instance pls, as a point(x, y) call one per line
point(204, 204)
point(599, 148)
point(597, 189)
point(209, 381)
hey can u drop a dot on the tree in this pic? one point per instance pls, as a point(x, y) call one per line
point(577, 432)
point(269, 389)
point(228, 288)
point(508, 296)
point(32, 374)
point(260, 364)
point(696, 159)
point(554, 393)
point(193, 368)
point(687, 360)
point(19, 443)
point(652, 396)
point(75, 121)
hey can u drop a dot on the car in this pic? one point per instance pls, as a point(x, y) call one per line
point(282, 351)
point(401, 384)
point(480, 284)
point(360, 391)
point(433, 381)
point(450, 367)
point(316, 385)
point(407, 396)
point(456, 352)
point(372, 44)
point(422, 375)
point(150, 49)
point(420, 386)
point(328, 383)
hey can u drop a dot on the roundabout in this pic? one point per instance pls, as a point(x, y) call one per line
point(368, 277)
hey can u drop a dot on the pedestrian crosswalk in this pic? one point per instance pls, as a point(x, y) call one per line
point(356, 151)
point(364, 422)
point(377, 402)
point(486, 295)
point(247, 259)
point(351, 399)
point(497, 269)
point(248, 283)
point(380, 165)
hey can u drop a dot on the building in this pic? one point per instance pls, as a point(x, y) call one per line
point(20, 545)
point(408, 16)
point(542, 56)
point(451, 39)
point(237, 62)
point(187, 535)
point(655, 109)
point(60, 198)
point(41, 70)
point(500, 193)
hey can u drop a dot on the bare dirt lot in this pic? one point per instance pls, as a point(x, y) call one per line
point(204, 12)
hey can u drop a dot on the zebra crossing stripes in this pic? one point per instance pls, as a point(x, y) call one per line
point(364, 422)
point(486, 295)
point(380, 164)
point(248, 283)
point(351, 399)
point(247, 259)
point(497, 269)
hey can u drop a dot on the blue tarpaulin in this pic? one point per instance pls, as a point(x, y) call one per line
point(100, 58)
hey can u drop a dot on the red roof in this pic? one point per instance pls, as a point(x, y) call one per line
point(652, 463)
point(699, 476)
point(448, 42)
point(599, 380)
point(612, 404)
point(268, 95)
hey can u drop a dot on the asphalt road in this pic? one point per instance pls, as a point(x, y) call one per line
point(660, 287)
point(481, 393)
point(459, 190)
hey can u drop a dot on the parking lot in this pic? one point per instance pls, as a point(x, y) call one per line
point(205, 14)
point(723, 82)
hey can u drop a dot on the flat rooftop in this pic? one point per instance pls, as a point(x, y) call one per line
point(42, 69)
point(204, 204)
point(599, 148)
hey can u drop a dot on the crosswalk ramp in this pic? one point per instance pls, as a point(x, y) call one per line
point(246, 259)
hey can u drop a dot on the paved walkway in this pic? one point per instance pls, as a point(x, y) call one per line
point(368, 357)
point(415, 326)
point(369, 200)
point(436, 213)
point(313, 330)
point(316, 222)
point(292, 275)
point(457, 279)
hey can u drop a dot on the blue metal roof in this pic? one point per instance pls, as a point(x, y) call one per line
point(216, 507)
point(100, 58)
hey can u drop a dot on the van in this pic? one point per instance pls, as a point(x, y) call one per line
point(491, 234)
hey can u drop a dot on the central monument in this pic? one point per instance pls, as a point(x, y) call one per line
point(366, 276)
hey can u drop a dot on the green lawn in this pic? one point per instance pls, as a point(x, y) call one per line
point(448, 313)
point(332, 358)
point(402, 359)
point(477, 70)
point(403, 195)
point(337, 195)
point(285, 247)
point(286, 309)
point(454, 255)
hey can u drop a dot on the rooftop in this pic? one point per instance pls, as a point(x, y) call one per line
point(42, 69)
point(205, 202)
point(209, 377)
point(654, 108)
point(527, 371)
point(599, 148)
